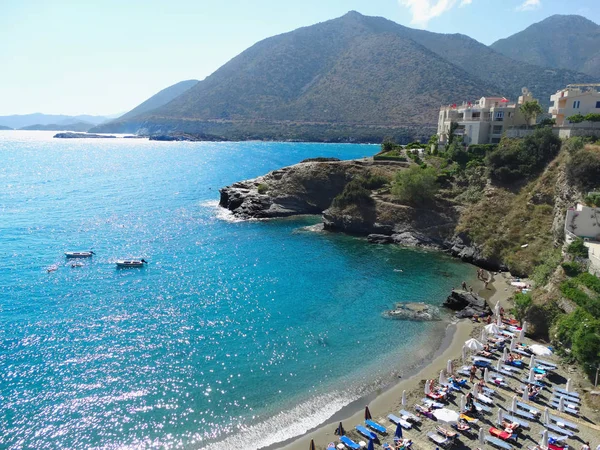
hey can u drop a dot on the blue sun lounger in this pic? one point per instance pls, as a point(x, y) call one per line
point(567, 409)
point(516, 420)
point(498, 443)
point(398, 420)
point(559, 430)
point(349, 443)
point(529, 408)
point(482, 407)
point(556, 398)
point(410, 416)
point(366, 433)
point(432, 403)
point(555, 437)
point(567, 424)
point(439, 440)
point(375, 426)
point(525, 414)
point(567, 393)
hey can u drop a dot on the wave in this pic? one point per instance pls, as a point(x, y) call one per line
point(220, 212)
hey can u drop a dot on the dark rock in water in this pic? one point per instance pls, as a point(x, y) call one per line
point(413, 311)
point(467, 304)
point(380, 239)
point(83, 136)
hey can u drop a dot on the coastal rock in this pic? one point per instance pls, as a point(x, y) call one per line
point(191, 137)
point(380, 239)
point(413, 311)
point(467, 304)
point(83, 136)
point(461, 246)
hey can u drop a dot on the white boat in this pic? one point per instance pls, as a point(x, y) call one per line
point(79, 254)
point(131, 262)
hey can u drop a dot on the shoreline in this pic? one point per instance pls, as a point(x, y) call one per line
point(388, 400)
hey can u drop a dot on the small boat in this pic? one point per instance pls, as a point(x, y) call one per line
point(79, 254)
point(131, 262)
point(77, 264)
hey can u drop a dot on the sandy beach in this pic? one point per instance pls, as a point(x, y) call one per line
point(389, 401)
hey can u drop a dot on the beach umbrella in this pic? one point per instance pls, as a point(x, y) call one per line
point(568, 387)
point(497, 309)
point(398, 432)
point(561, 404)
point(312, 445)
point(521, 335)
point(499, 320)
point(367, 413)
point(531, 378)
point(498, 365)
point(442, 381)
point(481, 436)
point(504, 354)
point(449, 368)
point(486, 375)
point(524, 327)
point(474, 344)
point(532, 361)
point(371, 446)
point(513, 405)
point(427, 389)
point(525, 396)
point(546, 415)
point(483, 337)
point(464, 353)
point(340, 430)
point(513, 345)
point(544, 441)
point(462, 402)
point(499, 416)
point(492, 328)
point(446, 415)
point(540, 350)
point(404, 399)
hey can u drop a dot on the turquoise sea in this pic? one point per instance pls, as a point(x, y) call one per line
point(248, 332)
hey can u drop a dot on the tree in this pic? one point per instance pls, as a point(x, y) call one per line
point(416, 185)
point(583, 168)
point(530, 110)
point(453, 127)
point(522, 304)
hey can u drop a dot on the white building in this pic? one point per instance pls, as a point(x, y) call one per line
point(574, 99)
point(594, 256)
point(582, 222)
point(481, 122)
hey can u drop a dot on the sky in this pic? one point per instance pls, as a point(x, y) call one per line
point(106, 56)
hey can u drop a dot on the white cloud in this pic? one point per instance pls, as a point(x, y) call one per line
point(424, 10)
point(528, 5)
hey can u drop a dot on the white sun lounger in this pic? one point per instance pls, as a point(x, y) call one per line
point(559, 430)
point(498, 442)
point(398, 420)
point(529, 408)
point(439, 440)
point(567, 409)
point(410, 416)
point(526, 414)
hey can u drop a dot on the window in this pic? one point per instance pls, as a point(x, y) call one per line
point(495, 140)
point(510, 114)
point(576, 104)
point(499, 116)
point(497, 129)
point(477, 115)
point(597, 105)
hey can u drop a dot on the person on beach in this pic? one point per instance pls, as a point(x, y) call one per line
point(586, 446)
point(472, 373)
point(489, 319)
point(464, 285)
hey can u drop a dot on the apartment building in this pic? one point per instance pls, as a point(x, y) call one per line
point(483, 121)
point(574, 99)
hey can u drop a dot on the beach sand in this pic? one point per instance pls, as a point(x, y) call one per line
point(389, 401)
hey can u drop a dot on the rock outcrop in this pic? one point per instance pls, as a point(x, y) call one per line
point(413, 311)
point(70, 135)
point(467, 304)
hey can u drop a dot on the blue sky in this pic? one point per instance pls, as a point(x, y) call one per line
point(107, 56)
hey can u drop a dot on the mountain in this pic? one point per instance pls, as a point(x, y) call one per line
point(160, 99)
point(26, 120)
point(356, 74)
point(568, 42)
point(2, 127)
point(75, 126)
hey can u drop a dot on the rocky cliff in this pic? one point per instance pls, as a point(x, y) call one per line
point(310, 187)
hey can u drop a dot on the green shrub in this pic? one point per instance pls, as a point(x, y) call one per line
point(481, 150)
point(354, 193)
point(263, 188)
point(374, 181)
point(574, 144)
point(590, 281)
point(578, 248)
point(569, 290)
point(550, 261)
point(517, 159)
point(577, 118)
point(592, 117)
point(416, 185)
point(572, 269)
point(583, 169)
point(522, 304)
point(593, 200)
point(390, 157)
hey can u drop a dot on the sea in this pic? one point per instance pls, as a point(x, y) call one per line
point(235, 331)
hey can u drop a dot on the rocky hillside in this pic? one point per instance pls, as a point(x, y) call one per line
point(561, 42)
point(361, 77)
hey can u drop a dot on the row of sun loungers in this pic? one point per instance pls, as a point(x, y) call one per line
point(498, 443)
point(399, 420)
point(567, 393)
point(560, 420)
point(514, 419)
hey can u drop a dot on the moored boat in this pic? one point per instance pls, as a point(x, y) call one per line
point(79, 254)
point(131, 262)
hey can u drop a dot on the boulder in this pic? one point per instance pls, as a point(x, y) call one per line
point(413, 311)
point(467, 304)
